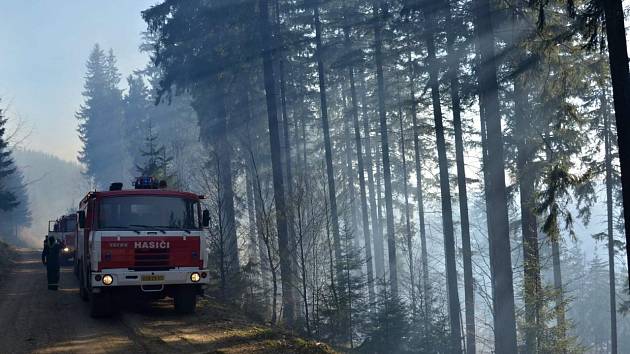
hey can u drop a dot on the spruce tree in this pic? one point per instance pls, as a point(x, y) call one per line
point(100, 121)
point(156, 161)
point(13, 220)
point(136, 117)
point(8, 200)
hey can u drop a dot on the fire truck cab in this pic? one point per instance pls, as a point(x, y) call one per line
point(64, 230)
point(141, 244)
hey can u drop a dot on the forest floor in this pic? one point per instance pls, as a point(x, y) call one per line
point(36, 320)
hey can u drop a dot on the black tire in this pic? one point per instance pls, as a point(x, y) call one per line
point(101, 305)
point(185, 300)
point(83, 293)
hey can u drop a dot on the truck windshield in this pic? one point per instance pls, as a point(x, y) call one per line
point(157, 212)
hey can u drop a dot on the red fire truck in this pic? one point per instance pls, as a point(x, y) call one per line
point(64, 230)
point(145, 243)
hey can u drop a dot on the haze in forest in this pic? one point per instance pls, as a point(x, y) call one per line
point(393, 175)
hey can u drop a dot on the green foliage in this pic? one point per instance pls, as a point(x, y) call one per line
point(429, 332)
point(346, 308)
point(156, 159)
point(388, 327)
point(552, 337)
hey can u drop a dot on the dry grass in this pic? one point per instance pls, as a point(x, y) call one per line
point(216, 328)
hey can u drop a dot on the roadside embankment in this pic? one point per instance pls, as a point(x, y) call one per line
point(7, 256)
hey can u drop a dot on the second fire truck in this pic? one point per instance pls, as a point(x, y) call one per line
point(64, 230)
point(145, 243)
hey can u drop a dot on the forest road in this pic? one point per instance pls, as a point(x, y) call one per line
point(36, 320)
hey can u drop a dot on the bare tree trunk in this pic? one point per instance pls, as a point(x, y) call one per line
point(252, 245)
point(408, 234)
point(276, 164)
point(377, 231)
point(287, 148)
point(350, 174)
point(263, 222)
point(224, 156)
point(379, 16)
point(332, 194)
point(469, 294)
point(363, 196)
point(303, 269)
point(379, 208)
point(618, 56)
point(557, 284)
point(609, 219)
point(259, 206)
point(419, 192)
point(529, 225)
point(445, 189)
point(498, 223)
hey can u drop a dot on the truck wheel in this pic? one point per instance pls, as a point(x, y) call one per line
point(82, 290)
point(185, 300)
point(101, 305)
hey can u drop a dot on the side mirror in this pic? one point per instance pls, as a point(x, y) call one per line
point(81, 216)
point(205, 221)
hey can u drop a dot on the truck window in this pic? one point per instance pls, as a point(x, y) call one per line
point(71, 225)
point(148, 211)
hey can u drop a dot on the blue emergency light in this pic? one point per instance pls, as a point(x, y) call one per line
point(146, 183)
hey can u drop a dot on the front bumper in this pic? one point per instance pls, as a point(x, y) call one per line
point(126, 277)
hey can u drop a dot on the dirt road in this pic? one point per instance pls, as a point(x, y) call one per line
point(36, 320)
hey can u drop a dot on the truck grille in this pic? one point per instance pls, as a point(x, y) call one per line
point(151, 259)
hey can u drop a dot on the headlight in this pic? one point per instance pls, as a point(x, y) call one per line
point(107, 279)
point(66, 249)
point(195, 277)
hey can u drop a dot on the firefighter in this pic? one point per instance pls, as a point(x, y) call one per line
point(51, 258)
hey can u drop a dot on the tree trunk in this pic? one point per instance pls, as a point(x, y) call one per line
point(419, 192)
point(379, 208)
point(260, 228)
point(377, 231)
point(224, 156)
point(408, 235)
point(387, 175)
point(609, 219)
point(618, 56)
point(557, 284)
point(300, 238)
point(252, 245)
point(529, 226)
point(276, 165)
point(498, 223)
point(445, 190)
point(363, 196)
point(350, 174)
point(527, 178)
point(469, 295)
point(332, 194)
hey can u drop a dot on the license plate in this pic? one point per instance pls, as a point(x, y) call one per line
point(152, 277)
